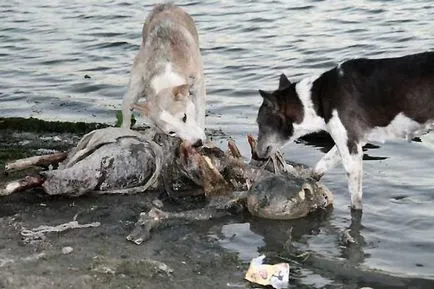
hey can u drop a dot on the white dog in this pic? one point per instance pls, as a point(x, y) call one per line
point(168, 72)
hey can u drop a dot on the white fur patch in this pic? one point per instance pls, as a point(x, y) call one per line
point(168, 117)
point(355, 177)
point(311, 121)
point(340, 70)
point(189, 131)
point(337, 130)
point(167, 79)
point(400, 127)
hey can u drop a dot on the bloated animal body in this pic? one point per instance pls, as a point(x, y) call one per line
point(286, 197)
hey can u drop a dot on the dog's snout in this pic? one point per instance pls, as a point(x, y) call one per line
point(198, 143)
point(265, 152)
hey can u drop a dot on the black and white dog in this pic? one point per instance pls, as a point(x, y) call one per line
point(358, 101)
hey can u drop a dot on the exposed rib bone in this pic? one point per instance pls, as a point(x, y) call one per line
point(252, 142)
point(234, 149)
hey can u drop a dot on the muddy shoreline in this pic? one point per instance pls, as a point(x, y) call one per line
point(101, 257)
point(177, 257)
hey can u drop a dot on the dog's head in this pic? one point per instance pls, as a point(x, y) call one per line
point(280, 110)
point(174, 113)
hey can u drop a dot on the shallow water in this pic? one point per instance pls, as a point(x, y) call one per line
point(47, 47)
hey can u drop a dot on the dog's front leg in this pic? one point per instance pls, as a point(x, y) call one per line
point(327, 162)
point(351, 154)
point(136, 88)
point(352, 162)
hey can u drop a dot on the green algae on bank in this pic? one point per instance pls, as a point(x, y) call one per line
point(27, 137)
point(38, 126)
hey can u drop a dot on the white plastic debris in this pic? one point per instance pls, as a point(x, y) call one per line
point(67, 250)
point(264, 274)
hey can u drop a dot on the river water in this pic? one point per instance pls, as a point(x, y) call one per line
point(47, 47)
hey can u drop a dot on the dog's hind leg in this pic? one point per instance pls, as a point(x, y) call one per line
point(136, 87)
point(327, 162)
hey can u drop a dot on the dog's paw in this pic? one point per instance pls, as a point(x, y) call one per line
point(356, 207)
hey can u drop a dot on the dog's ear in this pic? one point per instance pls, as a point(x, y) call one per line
point(268, 99)
point(144, 108)
point(264, 94)
point(284, 82)
point(181, 91)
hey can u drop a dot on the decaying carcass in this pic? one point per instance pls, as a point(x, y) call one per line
point(269, 188)
point(116, 160)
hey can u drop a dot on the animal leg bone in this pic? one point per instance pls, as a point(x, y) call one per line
point(44, 161)
point(22, 185)
point(157, 218)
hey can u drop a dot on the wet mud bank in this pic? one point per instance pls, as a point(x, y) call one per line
point(100, 256)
